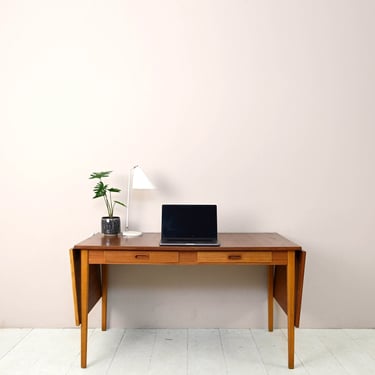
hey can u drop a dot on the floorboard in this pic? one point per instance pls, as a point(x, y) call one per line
point(205, 353)
point(240, 353)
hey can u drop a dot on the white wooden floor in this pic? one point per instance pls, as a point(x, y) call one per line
point(186, 352)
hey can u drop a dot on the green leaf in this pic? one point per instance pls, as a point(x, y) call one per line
point(120, 203)
point(114, 190)
point(100, 189)
point(99, 174)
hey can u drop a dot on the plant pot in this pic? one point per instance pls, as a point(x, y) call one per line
point(111, 226)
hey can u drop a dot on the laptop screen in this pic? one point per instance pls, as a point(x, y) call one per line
point(189, 222)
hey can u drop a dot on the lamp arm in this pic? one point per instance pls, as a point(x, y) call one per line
point(128, 201)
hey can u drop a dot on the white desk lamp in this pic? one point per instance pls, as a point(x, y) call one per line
point(137, 181)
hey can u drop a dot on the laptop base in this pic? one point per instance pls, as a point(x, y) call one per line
point(208, 244)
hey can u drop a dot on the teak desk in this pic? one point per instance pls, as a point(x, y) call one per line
point(285, 261)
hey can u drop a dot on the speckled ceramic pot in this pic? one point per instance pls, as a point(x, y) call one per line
point(111, 226)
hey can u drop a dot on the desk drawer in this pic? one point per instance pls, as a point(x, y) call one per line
point(141, 257)
point(234, 257)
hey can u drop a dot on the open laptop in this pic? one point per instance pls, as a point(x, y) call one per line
point(189, 225)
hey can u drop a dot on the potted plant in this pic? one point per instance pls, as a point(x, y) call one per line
point(111, 225)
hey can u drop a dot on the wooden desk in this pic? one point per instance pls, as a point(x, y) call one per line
point(285, 261)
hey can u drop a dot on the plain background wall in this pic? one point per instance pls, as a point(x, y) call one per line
point(263, 107)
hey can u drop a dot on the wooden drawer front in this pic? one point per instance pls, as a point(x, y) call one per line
point(234, 257)
point(141, 257)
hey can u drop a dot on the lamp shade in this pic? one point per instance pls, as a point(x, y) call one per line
point(137, 181)
point(140, 180)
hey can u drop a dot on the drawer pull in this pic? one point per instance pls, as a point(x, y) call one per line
point(142, 257)
point(234, 257)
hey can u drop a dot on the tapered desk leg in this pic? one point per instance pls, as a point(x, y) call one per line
point(84, 305)
point(104, 296)
point(270, 298)
point(291, 277)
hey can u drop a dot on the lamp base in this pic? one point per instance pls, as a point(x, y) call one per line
point(131, 233)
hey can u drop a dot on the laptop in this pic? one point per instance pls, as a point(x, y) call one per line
point(189, 225)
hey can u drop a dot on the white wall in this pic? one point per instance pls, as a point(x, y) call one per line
point(263, 107)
